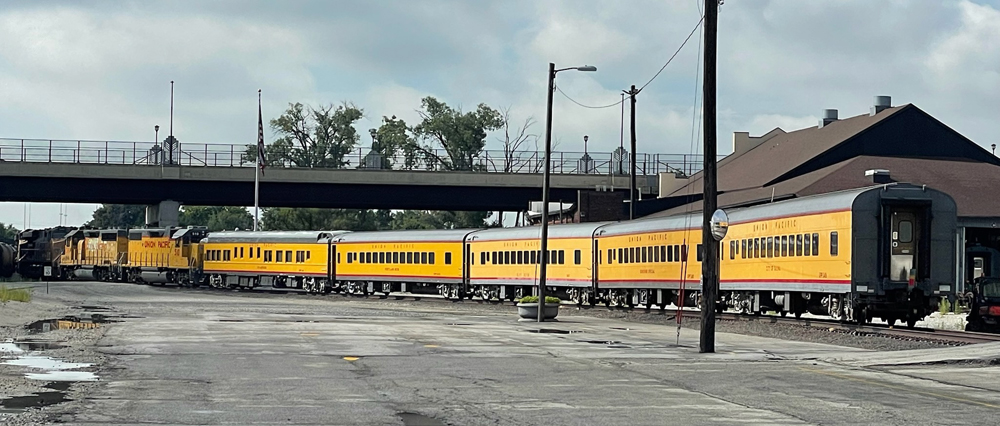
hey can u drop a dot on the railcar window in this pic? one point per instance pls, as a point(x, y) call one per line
point(338, 256)
point(834, 242)
point(562, 257)
point(447, 258)
point(611, 256)
point(798, 245)
point(423, 258)
point(732, 249)
point(381, 257)
point(621, 258)
point(700, 253)
point(807, 244)
point(482, 257)
point(310, 252)
point(268, 256)
point(506, 257)
point(227, 256)
point(684, 252)
point(534, 257)
point(409, 257)
point(520, 258)
point(756, 248)
point(663, 253)
point(258, 252)
point(278, 256)
point(395, 257)
point(656, 254)
point(350, 257)
point(784, 246)
point(743, 246)
point(905, 231)
point(643, 252)
point(815, 244)
point(577, 257)
point(430, 258)
point(770, 247)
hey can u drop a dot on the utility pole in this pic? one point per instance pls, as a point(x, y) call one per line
point(631, 187)
point(710, 259)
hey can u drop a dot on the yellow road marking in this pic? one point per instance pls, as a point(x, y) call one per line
point(431, 346)
point(898, 387)
point(351, 358)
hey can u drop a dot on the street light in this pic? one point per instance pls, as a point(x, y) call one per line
point(544, 249)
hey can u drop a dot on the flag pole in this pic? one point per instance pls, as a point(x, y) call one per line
point(256, 175)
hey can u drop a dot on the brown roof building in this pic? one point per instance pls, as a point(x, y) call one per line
point(889, 144)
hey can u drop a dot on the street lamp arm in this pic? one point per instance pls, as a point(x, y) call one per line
point(590, 68)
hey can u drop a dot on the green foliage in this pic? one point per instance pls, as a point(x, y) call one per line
point(118, 216)
point(8, 234)
point(312, 138)
point(15, 294)
point(534, 299)
point(421, 219)
point(305, 219)
point(944, 306)
point(462, 136)
point(391, 138)
point(216, 218)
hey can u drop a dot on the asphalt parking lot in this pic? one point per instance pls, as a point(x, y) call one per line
point(209, 357)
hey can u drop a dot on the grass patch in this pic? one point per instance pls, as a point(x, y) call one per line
point(534, 299)
point(944, 306)
point(15, 294)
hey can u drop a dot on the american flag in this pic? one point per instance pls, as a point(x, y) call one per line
point(261, 161)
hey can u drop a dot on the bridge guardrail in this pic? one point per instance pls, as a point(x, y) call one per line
point(233, 155)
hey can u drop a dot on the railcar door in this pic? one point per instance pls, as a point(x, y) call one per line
point(331, 263)
point(905, 236)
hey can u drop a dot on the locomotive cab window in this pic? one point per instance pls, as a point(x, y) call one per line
point(905, 231)
point(834, 241)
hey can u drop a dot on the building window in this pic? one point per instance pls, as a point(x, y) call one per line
point(834, 242)
point(447, 258)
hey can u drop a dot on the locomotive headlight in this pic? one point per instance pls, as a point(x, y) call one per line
point(944, 288)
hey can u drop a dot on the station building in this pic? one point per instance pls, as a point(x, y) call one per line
point(887, 144)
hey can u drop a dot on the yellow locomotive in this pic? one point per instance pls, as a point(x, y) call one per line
point(164, 255)
point(92, 254)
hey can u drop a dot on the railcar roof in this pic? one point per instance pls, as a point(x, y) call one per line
point(833, 201)
point(446, 235)
point(566, 230)
point(270, 236)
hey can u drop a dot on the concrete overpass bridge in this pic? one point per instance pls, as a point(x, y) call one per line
point(219, 174)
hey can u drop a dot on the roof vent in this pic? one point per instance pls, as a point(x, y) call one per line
point(879, 175)
point(829, 116)
point(881, 103)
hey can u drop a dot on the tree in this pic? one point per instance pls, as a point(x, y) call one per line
point(419, 219)
point(391, 138)
point(8, 234)
point(308, 219)
point(461, 136)
point(514, 139)
point(217, 218)
point(118, 216)
point(312, 138)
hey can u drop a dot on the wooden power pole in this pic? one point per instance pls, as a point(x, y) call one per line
point(632, 188)
point(710, 259)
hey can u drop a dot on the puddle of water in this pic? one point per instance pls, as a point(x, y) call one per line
point(34, 345)
point(45, 363)
point(414, 419)
point(63, 376)
point(601, 342)
point(551, 331)
point(92, 308)
point(68, 323)
point(10, 347)
point(40, 399)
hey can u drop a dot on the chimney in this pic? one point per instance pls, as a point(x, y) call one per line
point(881, 103)
point(879, 175)
point(829, 116)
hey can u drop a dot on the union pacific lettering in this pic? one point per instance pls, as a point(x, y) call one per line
point(156, 244)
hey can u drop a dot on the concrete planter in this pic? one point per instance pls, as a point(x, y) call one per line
point(530, 310)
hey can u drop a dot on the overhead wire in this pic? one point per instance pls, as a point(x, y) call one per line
point(676, 52)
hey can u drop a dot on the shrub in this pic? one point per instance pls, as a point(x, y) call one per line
point(534, 299)
point(16, 294)
point(944, 306)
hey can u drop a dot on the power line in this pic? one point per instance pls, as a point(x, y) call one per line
point(698, 25)
point(588, 106)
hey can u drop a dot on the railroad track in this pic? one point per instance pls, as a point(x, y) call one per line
point(951, 336)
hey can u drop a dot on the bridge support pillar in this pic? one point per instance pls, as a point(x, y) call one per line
point(164, 214)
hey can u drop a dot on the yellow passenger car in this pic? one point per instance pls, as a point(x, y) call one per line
point(505, 261)
point(282, 260)
point(408, 261)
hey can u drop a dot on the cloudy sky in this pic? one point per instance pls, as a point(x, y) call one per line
point(101, 70)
